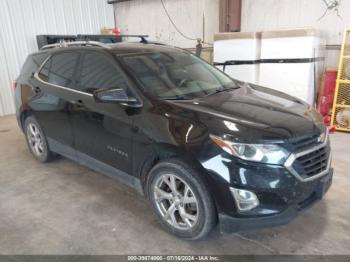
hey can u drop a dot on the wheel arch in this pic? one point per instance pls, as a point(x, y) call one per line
point(23, 116)
point(163, 151)
point(176, 157)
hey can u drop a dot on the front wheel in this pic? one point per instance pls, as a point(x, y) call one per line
point(181, 200)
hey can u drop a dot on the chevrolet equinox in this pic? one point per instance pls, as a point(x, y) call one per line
point(205, 149)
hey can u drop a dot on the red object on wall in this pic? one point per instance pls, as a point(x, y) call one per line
point(325, 102)
point(116, 31)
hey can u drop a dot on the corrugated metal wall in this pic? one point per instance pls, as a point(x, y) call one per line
point(22, 20)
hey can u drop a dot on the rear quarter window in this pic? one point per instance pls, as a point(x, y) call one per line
point(32, 63)
point(59, 69)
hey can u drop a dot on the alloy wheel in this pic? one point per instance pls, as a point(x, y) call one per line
point(36, 140)
point(176, 202)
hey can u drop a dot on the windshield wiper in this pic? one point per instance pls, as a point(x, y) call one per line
point(173, 98)
point(220, 90)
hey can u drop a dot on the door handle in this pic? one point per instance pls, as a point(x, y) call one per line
point(77, 102)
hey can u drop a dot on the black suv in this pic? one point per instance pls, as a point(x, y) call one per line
point(204, 148)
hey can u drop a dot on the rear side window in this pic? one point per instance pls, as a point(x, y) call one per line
point(59, 69)
point(32, 64)
point(99, 72)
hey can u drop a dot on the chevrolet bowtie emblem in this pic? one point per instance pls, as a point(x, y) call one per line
point(321, 138)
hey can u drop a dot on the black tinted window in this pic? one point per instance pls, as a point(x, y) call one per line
point(176, 75)
point(98, 72)
point(59, 70)
point(32, 64)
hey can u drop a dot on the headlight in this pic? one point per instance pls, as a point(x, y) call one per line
point(263, 153)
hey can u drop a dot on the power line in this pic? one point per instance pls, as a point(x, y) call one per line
point(178, 30)
point(173, 23)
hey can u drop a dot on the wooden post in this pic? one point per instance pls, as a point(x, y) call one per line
point(230, 15)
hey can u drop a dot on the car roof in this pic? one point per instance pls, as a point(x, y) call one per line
point(131, 48)
point(123, 48)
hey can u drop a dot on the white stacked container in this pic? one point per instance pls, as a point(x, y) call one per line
point(297, 79)
point(238, 47)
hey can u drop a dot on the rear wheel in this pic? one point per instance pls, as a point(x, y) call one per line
point(181, 200)
point(36, 140)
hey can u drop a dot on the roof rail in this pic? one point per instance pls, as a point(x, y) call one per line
point(76, 43)
point(81, 37)
point(91, 43)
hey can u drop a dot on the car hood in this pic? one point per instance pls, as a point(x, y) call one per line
point(252, 112)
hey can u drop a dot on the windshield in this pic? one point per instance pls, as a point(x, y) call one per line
point(176, 75)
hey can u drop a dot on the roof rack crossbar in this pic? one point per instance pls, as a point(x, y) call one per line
point(142, 37)
point(76, 43)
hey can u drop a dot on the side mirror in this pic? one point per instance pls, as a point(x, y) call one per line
point(117, 95)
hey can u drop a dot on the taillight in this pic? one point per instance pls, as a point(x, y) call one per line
point(14, 84)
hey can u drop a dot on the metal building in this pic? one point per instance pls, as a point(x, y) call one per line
point(22, 20)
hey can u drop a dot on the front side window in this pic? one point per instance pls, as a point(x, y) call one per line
point(59, 69)
point(98, 72)
point(176, 75)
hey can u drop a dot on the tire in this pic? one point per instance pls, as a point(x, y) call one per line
point(186, 209)
point(36, 140)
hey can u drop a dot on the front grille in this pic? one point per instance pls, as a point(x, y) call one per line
point(312, 163)
point(311, 157)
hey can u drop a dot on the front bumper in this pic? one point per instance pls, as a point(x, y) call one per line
point(230, 224)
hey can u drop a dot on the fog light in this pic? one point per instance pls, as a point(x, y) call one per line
point(245, 200)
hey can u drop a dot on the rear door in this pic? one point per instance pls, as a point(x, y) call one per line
point(102, 130)
point(53, 92)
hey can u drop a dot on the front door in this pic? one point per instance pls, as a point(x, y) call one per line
point(102, 131)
